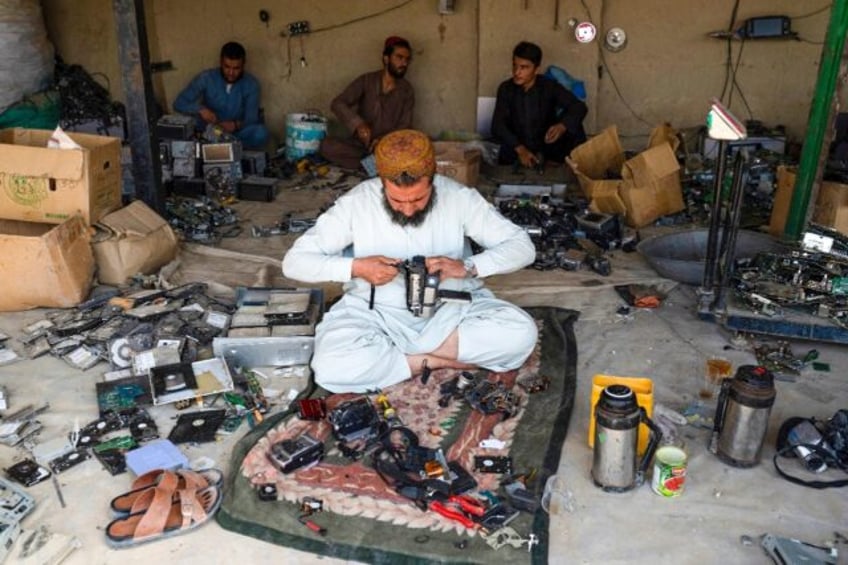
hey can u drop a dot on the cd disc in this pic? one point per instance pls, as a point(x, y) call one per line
point(120, 353)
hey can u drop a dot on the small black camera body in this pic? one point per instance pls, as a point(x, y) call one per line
point(292, 454)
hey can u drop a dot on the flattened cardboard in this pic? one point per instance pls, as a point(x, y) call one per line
point(650, 182)
point(38, 184)
point(133, 240)
point(44, 265)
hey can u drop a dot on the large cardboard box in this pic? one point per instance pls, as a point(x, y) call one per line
point(831, 207)
point(38, 184)
point(649, 184)
point(133, 240)
point(455, 160)
point(44, 264)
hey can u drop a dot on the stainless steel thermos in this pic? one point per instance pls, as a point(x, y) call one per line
point(741, 416)
point(615, 463)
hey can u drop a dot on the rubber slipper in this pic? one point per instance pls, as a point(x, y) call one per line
point(123, 503)
point(164, 518)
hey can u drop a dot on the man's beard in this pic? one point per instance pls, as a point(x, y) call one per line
point(396, 72)
point(414, 220)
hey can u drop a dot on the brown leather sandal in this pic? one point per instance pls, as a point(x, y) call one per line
point(163, 516)
point(186, 479)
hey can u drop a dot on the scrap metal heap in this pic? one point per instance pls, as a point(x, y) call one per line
point(811, 278)
point(201, 220)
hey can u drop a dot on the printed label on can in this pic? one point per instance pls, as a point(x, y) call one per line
point(669, 471)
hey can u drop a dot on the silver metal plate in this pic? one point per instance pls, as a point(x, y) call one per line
point(264, 351)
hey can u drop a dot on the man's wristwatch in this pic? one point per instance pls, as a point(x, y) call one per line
point(470, 268)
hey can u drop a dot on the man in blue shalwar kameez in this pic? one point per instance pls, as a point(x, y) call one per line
point(227, 97)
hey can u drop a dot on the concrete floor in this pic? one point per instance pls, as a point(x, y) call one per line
point(668, 345)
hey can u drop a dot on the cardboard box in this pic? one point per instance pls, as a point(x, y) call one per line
point(831, 207)
point(649, 186)
point(135, 239)
point(782, 200)
point(44, 264)
point(38, 184)
point(456, 161)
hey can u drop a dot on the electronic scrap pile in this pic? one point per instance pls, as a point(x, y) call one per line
point(163, 348)
point(811, 278)
point(371, 428)
point(567, 235)
point(212, 164)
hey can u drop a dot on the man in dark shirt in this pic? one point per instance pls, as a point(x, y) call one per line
point(536, 118)
point(373, 105)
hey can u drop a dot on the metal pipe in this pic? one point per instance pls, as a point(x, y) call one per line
point(818, 120)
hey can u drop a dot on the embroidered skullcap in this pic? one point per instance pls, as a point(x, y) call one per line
point(405, 151)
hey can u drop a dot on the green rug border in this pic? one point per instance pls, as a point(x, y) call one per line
point(225, 517)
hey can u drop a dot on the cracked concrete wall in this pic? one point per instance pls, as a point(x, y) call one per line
point(668, 71)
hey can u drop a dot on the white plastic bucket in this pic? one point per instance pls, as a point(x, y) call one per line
point(304, 133)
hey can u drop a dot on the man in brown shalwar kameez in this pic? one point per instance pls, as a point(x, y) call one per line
point(373, 105)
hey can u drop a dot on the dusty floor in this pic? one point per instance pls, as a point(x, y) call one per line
point(668, 345)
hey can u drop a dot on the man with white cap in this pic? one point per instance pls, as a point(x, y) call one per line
point(370, 339)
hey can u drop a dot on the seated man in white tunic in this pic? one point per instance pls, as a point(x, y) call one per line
point(370, 339)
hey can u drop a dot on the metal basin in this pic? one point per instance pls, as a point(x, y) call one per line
point(680, 256)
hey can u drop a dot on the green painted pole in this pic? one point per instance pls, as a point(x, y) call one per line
point(818, 122)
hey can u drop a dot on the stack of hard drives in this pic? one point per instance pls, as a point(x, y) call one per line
point(269, 312)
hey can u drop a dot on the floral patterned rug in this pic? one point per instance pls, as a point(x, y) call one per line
point(367, 520)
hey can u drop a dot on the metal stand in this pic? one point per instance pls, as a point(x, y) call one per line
point(727, 254)
point(706, 293)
